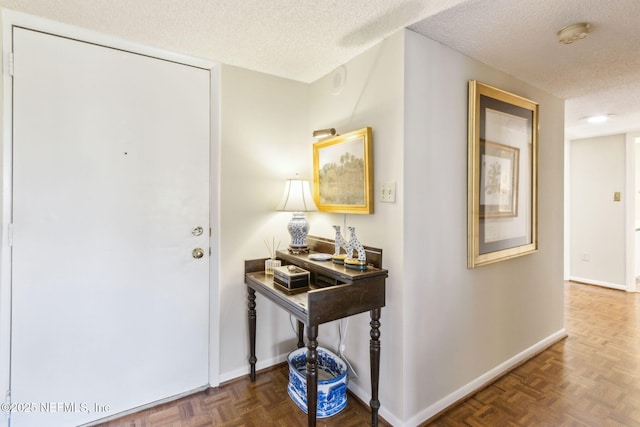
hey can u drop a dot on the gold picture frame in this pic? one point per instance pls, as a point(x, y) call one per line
point(343, 173)
point(502, 175)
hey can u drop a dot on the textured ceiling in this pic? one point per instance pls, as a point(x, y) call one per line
point(298, 39)
point(306, 39)
point(597, 75)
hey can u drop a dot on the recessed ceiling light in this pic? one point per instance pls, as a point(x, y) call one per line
point(574, 32)
point(601, 118)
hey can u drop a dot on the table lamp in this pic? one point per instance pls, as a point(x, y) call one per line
point(297, 199)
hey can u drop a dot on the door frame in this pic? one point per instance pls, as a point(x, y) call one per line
point(630, 211)
point(9, 20)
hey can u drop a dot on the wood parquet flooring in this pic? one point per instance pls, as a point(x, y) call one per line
point(590, 379)
point(242, 403)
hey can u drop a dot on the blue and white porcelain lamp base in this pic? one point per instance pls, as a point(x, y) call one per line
point(297, 199)
point(298, 228)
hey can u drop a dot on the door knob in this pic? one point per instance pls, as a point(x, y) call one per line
point(197, 253)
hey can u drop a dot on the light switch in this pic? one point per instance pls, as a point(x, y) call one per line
point(387, 192)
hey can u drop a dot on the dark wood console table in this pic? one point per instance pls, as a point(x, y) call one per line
point(335, 292)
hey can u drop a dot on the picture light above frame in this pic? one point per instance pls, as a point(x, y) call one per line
point(343, 173)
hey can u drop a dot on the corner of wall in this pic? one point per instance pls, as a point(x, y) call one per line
point(465, 323)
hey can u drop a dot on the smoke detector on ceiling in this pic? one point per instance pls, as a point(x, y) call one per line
point(574, 32)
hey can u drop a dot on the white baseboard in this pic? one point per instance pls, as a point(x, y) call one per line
point(223, 378)
point(261, 364)
point(598, 283)
point(364, 393)
point(482, 381)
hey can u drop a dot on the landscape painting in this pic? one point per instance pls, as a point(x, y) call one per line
point(343, 173)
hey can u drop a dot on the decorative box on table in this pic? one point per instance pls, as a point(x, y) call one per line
point(291, 277)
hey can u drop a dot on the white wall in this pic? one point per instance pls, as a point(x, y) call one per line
point(635, 151)
point(264, 130)
point(443, 326)
point(464, 326)
point(598, 224)
point(5, 259)
point(445, 330)
point(632, 226)
point(371, 96)
point(634, 140)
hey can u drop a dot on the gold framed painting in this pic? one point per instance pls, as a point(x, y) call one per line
point(502, 175)
point(343, 173)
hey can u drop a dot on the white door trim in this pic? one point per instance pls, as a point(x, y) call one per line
point(11, 19)
point(630, 212)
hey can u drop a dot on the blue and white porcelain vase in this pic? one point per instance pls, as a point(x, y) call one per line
point(332, 381)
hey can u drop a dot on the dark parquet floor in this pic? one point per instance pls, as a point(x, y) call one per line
point(590, 379)
point(242, 403)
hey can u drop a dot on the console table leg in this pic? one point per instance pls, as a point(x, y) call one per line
point(312, 374)
point(252, 332)
point(374, 353)
point(300, 334)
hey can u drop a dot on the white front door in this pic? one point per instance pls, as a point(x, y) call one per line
point(110, 309)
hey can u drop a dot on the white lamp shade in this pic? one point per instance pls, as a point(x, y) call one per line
point(297, 197)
